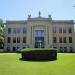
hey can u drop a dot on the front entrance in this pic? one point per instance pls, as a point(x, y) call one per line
point(39, 38)
point(39, 42)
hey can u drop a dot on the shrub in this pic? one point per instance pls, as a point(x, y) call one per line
point(40, 55)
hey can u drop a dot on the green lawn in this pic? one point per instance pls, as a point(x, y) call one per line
point(11, 65)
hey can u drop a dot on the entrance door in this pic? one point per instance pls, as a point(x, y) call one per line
point(39, 42)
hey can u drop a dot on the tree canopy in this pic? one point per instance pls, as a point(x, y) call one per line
point(1, 33)
point(1, 22)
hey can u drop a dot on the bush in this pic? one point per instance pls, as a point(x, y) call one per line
point(40, 55)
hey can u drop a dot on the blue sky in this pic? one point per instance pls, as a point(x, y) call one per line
point(19, 9)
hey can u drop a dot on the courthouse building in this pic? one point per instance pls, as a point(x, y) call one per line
point(40, 32)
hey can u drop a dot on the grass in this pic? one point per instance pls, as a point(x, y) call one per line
point(11, 65)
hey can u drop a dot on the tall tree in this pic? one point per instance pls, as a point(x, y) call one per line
point(1, 33)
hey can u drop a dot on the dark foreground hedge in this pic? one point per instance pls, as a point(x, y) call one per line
point(39, 55)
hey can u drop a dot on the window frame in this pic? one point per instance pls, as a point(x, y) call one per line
point(24, 39)
point(70, 39)
point(9, 30)
point(9, 39)
point(60, 29)
point(14, 39)
point(18, 39)
point(54, 40)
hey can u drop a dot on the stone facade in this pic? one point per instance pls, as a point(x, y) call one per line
point(40, 32)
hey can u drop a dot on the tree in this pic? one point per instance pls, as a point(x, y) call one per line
point(1, 33)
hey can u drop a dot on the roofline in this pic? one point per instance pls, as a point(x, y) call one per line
point(64, 21)
point(16, 21)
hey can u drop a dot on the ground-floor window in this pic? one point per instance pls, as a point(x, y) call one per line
point(8, 49)
point(24, 47)
point(61, 49)
point(54, 40)
point(18, 48)
point(14, 49)
point(54, 47)
point(71, 49)
point(65, 49)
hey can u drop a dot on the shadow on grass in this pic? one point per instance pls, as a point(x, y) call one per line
point(32, 60)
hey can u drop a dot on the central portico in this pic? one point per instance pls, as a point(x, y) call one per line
point(39, 29)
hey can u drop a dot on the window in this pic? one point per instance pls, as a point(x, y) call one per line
point(14, 49)
point(60, 30)
point(54, 40)
point(64, 40)
point(14, 39)
point(18, 48)
point(9, 30)
point(70, 30)
point(71, 49)
point(14, 30)
point(65, 49)
point(60, 39)
point(18, 39)
point(54, 29)
point(70, 39)
point(64, 30)
point(18, 30)
point(61, 49)
point(24, 47)
point(24, 30)
point(8, 49)
point(54, 47)
point(24, 39)
point(8, 39)
point(39, 33)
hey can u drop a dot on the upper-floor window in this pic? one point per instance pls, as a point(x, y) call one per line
point(54, 29)
point(24, 30)
point(18, 39)
point(14, 39)
point(9, 30)
point(8, 39)
point(24, 39)
point(18, 30)
point(60, 30)
point(54, 40)
point(39, 33)
point(64, 30)
point(64, 40)
point(70, 30)
point(70, 39)
point(60, 39)
point(14, 30)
